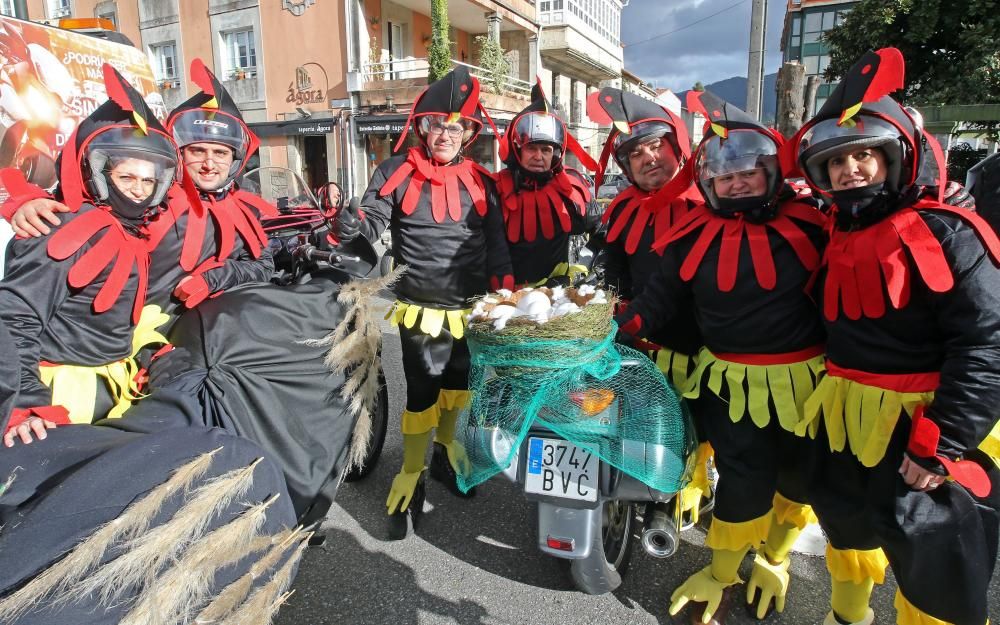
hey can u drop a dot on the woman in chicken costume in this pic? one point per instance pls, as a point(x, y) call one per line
point(447, 230)
point(201, 518)
point(544, 202)
point(909, 291)
point(742, 261)
point(73, 299)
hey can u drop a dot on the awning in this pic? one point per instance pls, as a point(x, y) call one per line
point(394, 124)
point(297, 127)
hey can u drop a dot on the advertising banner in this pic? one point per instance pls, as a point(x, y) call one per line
point(50, 79)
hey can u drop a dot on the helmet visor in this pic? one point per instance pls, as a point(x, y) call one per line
point(539, 127)
point(132, 160)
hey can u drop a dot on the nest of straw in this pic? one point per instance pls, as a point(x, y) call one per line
point(592, 321)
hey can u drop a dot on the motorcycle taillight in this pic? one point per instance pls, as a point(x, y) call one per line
point(592, 401)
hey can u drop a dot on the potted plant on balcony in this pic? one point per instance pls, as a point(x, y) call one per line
point(237, 74)
point(166, 83)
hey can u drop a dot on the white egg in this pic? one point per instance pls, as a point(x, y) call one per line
point(502, 311)
point(565, 308)
point(534, 304)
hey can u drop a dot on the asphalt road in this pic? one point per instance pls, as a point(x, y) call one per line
point(474, 562)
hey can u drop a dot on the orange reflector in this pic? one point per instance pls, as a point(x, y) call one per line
point(86, 23)
point(593, 401)
point(562, 544)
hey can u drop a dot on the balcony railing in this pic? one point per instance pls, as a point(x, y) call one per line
point(418, 68)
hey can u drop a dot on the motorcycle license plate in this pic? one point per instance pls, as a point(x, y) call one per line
point(560, 469)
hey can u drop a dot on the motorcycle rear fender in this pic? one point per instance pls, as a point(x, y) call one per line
point(567, 524)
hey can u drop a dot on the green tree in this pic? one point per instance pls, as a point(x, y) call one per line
point(698, 86)
point(494, 60)
point(952, 49)
point(439, 52)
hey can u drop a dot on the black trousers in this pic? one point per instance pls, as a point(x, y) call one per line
point(431, 364)
point(753, 463)
point(941, 545)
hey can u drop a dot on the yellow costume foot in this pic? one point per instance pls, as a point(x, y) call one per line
point(833, 620)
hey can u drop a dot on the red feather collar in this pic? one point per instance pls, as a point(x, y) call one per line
point(865, 266)
point(116, 248)
point(733, 230)
point(444, 181)
point(634, 202)
point(232, 215)
point(524, 209)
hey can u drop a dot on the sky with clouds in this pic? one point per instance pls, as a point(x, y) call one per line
point(708, 50)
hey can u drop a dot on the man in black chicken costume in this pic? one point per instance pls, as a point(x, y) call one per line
point(742, 261)
point(544, 202)
point(650, 144)
point(447, 230)
point(909, 290)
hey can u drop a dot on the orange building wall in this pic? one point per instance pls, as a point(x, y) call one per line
point(196, 37)
point(310, 39)
point(421, 34)
point(36, 10)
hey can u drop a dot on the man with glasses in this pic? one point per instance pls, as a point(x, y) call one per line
point(210, 239)
point(447, 230)
point(543, 201)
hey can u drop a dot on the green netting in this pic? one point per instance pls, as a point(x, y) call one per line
point(522, 383)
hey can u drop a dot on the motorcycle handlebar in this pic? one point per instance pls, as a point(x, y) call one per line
point(312, 253)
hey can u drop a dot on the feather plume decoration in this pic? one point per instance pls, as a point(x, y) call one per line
point(133, 522)
point(188, 582)
point(355, 352)
point(145, 556)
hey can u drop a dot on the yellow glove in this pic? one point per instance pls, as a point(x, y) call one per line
point(689, 499)
point(700, 587)
point(457, 458)
point(772, 580)
point(401, 491)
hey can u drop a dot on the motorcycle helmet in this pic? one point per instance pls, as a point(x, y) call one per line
point(635, 121)
point(212, 116)
point(121, 128)
point(859, 114)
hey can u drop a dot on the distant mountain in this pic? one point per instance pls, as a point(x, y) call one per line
point(735, 90)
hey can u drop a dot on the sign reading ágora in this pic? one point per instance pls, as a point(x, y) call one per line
point(302, 90)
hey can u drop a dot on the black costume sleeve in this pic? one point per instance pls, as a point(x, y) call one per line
point(241, 268)
point(32, 290)
point(377, 209)
point(497, 252)
point(10, 376)
point(664, 296)
point(617, 276)
point(968, 316)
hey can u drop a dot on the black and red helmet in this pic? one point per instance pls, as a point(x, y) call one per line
point(122, 127)
point(861, 114)
point(634, 120)
point(211, 116)
point(733, 144)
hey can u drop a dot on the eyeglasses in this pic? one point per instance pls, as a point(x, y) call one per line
point(128, 181)
point(454, 130)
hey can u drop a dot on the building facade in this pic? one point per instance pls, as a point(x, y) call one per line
point(802, 37)
point(328, 84)
point(581, 52)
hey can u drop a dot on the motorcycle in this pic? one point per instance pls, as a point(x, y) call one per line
point(589, 512)
point(303, 251)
